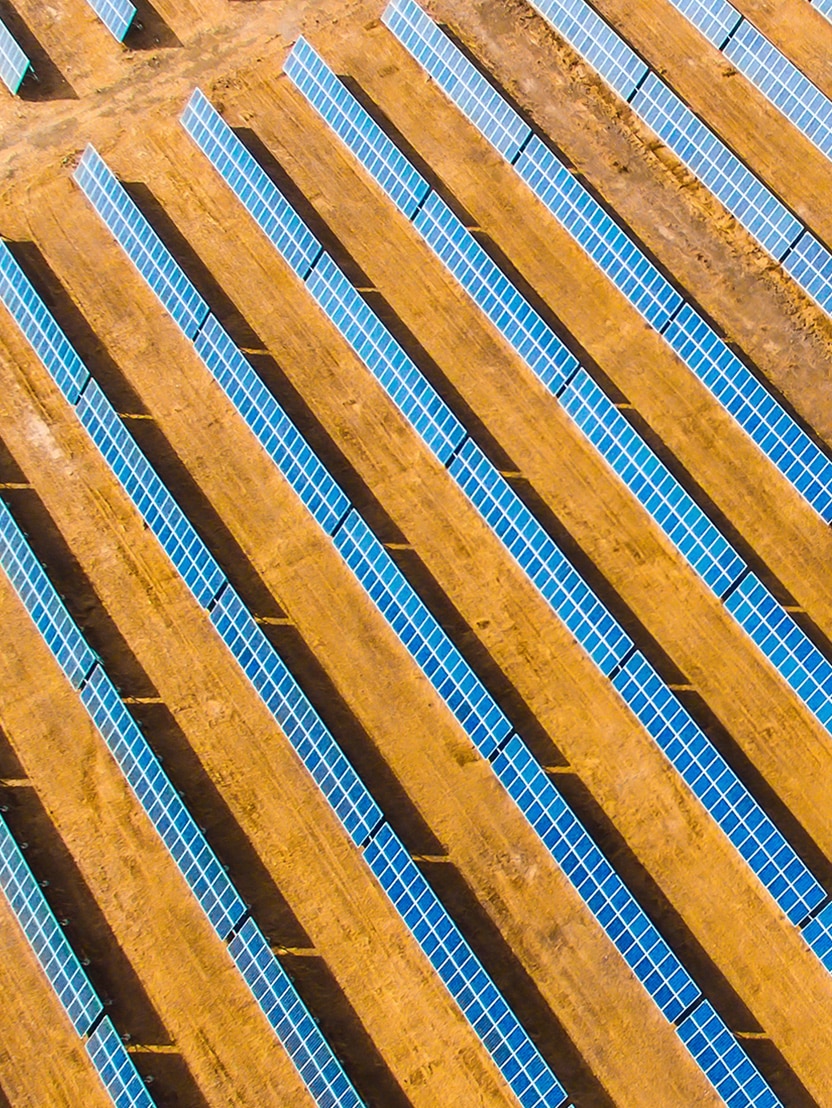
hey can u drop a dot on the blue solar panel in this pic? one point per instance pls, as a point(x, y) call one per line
point(718, 788)
point(818, 934)
point(824, 6)
point(299, 721)
point(393, 171)
point(723, 1060)
point(548, 568)
point(637, 940)
point(140, 242)
point(707, 156)
point(427, 643)
point(802, 103)
point(810, 264)
point(115, 1068)
point(187, 845)
point(14, 65)
point(286, 1012)
point(45, 936)
point(755, 409)
point(530, 1079)
point(142, 484)
point(383, 356)
point(592, 37)
point(681, 519)
point(276, 218)
point(39, 328)
point(716, 19)
point(42, 602)
point(116, 15)
point(274, 430)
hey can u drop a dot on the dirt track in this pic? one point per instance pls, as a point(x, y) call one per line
point(402, 1039)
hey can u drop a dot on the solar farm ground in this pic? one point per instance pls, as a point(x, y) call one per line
point(193, 1025)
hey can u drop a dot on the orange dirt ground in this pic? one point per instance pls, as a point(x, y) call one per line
point(193, 1026)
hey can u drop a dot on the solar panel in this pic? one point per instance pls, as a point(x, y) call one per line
point(744, 195)
point(39, 328)
point(818, 934)
point(116, 15)
point(42, 602)
point(802, 103)
point(290, 1019)
point(140, 242)
point(14, 65)
point(590, 35)
point(612, 904)
point(187, 845)
point(530, 1079)
point(45, 936)
point(274, 430)
point(810, 264)
point(723, 1060)
point(348, 796)
point(276, 218)
point(716, 19)
point(115, 1068)
point(142, 484)
point(393, 171)
point(824, 6)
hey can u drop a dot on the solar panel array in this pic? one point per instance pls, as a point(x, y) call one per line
point(14, 65)
point(59, 962)
point(654, 964)
point(824, 6)
point(116, 15)
point(797, 457)
point(506, 1040)
point(569, 595)
point(203, 872)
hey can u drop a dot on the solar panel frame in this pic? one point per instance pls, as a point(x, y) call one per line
point(724, 1061)
point(45, 936)
point(502, 1034)
point(140, 242)
point(175, 825)
point(39, 327)
point(14, 65)
point(116, 15)
point(41, 600)
point(300, 1035)
point(116, 1069)
point(150, 496)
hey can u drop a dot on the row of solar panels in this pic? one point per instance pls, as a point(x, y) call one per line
point(117, 16)
point(440, 939)
point(752, 203)
point(205, 876)
point(602, 890)
point(441, 430)
point(593, 626)
point(50, 946)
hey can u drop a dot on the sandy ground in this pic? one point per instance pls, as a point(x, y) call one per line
point(363, 976)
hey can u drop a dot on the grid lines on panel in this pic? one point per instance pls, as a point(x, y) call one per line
point(716, 19)
point(115, 1068)
point(39, 327)
point(723, 1060)
point(140, 242)
point(265, 203)
point(531, 1080)
point(143, 485)
point(718, 788)
point(116, 15)
point(272, 427)
point(301, 724)
point(387, 165)
point(603, 891)
point(45, 936)
point(818, 934)
point(42, 602)
point(287, 1014)
point(14, 64)
point(809, 262)
point(734, 185)
point(175, 825)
